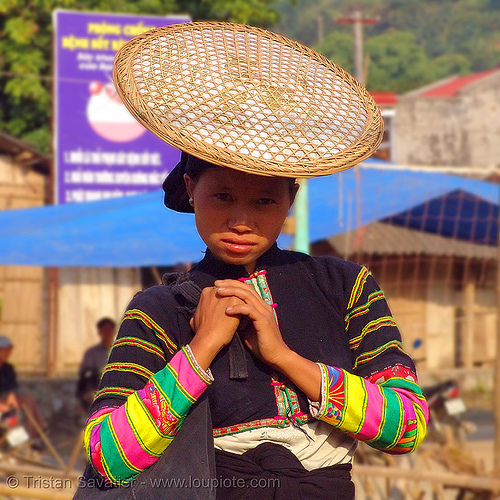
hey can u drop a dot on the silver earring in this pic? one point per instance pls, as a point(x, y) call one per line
point(191, 202)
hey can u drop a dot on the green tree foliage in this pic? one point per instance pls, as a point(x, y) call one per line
point(337, 46)
point(441, 37)
point(467, 27)
point(450, 64)
point(26, 49)
point(396, 62)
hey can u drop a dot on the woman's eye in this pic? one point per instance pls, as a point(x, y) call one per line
point(266, 201)
point(223, 196)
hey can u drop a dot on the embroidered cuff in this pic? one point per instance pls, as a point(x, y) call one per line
point(326, 409)
point(182, 374)
point(205, 375)
point(316, 407)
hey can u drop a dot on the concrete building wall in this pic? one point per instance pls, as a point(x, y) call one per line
point(462, 130)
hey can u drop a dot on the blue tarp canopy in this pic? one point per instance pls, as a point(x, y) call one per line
point(140, 231)
point(457, 214)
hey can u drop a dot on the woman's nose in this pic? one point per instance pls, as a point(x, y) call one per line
point(241, 221)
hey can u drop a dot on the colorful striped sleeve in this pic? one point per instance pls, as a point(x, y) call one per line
point(380, 402)
point(123, 441)
point(388, 412)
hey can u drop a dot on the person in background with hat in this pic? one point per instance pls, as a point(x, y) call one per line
point(299, 356)
point(12, 403)
point(8, 378)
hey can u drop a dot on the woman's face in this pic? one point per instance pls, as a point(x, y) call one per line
point(239, 215)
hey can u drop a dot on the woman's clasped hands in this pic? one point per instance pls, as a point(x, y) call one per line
point(218, 316)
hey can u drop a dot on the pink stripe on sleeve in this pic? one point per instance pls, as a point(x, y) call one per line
point(188, 378)
point(102, 411)
point(134, 452)
point(411, 397)
point(409, 409)
point(95, 450)
point(373, 413)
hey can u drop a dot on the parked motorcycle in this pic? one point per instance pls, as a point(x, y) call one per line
point(446, 423)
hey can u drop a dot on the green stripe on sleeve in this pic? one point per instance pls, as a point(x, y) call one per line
point(112, 456)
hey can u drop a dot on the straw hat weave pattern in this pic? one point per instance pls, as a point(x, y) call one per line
point(246, 98)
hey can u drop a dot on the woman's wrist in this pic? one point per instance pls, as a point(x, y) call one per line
point(302, 372)
point(204, 349)
point(284, 361)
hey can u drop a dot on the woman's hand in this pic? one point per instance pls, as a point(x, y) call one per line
point(213, 327)
point(264, 338)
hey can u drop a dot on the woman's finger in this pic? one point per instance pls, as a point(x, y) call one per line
point(244, 310)
point(238, 284)
point(243, 294)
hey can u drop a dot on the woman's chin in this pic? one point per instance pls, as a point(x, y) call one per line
point(238, 257)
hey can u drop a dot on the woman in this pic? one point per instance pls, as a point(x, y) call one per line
point(322, 364)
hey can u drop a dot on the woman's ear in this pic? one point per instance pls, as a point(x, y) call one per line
point(190, 185)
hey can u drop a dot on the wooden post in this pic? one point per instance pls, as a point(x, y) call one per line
point(301, 240)
point(320, 29)
point(52, 323)
point(469, 293)
point(496, 375)
point(52, 272)
point(357, 20)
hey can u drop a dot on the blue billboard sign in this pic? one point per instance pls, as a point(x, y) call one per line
point(100, 151)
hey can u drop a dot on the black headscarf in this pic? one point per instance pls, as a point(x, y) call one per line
point(176, 196)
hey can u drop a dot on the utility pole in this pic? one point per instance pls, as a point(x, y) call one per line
point(320, 29)
point(357, 20)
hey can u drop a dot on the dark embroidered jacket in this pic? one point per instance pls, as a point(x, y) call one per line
point(328, 310)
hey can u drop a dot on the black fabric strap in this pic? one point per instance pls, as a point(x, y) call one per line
point(188, 293)
point(238, 369)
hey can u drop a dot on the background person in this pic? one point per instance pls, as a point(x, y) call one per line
point(8, 378)
point(94, 361)
point(12, 402)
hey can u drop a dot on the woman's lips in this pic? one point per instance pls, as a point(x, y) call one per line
point(238, 246)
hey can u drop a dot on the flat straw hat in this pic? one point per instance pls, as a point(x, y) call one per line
point(246, 98)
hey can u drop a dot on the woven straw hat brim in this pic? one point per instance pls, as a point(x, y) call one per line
point(246, 98)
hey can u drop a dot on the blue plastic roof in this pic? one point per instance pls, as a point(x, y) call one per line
point(457, 214)
point(140, 231)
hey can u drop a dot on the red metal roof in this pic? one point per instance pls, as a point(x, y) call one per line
point(384, 98)
point(451, 87)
